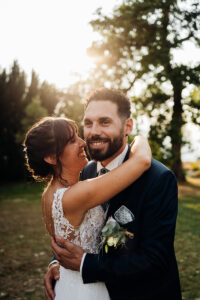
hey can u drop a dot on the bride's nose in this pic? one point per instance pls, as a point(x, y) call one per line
point(82, 142)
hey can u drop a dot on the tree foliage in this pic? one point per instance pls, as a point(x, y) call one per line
point(33, 89)
point(33, 112)
point(49, 97)
point(72, 107)
point(137, 45)
point(21, 106)
point(12, 93)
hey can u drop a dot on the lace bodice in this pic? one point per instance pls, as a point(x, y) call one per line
point(88, 234)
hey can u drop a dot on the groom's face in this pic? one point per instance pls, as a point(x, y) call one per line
point(103, 130)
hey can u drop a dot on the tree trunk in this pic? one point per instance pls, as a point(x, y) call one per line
point(177, 121)
point(176, 135)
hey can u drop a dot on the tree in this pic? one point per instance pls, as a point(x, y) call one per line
point(33, 112)
point(193, 108)
point(22, 106)
point(137, 45)
point(12, 93)
point(33, 90)
point(49, 97)
point(71, 105)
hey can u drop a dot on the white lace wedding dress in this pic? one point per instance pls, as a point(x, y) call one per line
point(70, 285)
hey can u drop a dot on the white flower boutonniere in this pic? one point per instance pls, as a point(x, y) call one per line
point(113, 235)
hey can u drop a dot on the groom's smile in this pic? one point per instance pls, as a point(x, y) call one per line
point(97, 142)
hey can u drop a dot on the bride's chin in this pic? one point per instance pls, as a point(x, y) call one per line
point(85, 163)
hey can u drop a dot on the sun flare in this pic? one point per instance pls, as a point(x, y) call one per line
point(50, 37)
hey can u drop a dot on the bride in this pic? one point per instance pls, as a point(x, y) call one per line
point(72, 208)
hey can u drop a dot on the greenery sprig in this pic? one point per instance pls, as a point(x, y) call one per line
point(113, 235)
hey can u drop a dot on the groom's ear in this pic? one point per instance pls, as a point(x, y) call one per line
point(128, 126)
point(51, 159)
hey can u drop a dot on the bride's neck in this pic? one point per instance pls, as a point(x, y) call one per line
point(67, 178)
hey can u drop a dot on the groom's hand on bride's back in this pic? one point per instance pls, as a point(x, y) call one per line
point(50, 278)
point(67, 254)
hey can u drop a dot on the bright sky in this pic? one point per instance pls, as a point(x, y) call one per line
point(51, 37)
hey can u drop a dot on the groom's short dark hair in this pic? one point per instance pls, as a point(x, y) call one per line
point(112, 95)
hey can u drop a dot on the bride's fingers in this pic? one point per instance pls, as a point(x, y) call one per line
point(133, 141)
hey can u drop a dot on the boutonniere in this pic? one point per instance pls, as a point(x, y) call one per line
point(113, 235)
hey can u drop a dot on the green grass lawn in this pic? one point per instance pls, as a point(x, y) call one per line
point(25, 247)
point(187, 242)
point(24, 244)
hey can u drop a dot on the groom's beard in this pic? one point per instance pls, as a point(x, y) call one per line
point(113, 146)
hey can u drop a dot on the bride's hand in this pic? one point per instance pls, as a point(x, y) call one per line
point(140, 148)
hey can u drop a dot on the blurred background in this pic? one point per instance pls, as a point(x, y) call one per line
point(52, 54)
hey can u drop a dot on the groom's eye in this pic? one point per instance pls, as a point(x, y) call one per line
point(105, 121)
point(87, 123)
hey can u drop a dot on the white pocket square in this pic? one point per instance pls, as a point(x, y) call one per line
point(123, 215)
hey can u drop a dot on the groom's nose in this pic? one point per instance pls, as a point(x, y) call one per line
point(95, 130)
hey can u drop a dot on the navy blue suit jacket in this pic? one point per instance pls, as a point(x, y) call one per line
point(146, 268)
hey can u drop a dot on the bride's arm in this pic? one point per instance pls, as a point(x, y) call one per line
point(92, 192)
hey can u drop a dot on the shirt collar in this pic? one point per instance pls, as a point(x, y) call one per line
point(115, 162)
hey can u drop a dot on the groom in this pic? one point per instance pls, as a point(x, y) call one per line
point(146, 268)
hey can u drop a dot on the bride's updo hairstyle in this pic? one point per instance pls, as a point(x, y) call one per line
point(47, 137)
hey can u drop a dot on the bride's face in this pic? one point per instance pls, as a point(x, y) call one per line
point(74, 155)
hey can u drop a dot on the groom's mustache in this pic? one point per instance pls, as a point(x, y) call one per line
point(97, 139)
